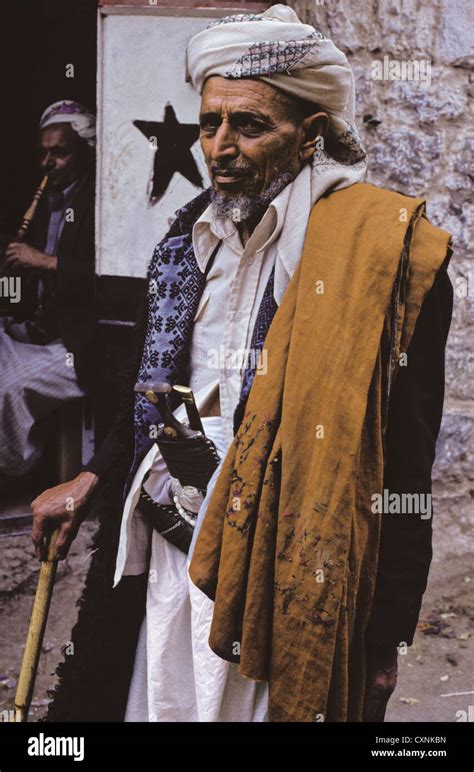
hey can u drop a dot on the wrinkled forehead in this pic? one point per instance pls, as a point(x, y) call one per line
point(243, 95)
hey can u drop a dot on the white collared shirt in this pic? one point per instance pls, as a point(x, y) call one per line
point(227, 312)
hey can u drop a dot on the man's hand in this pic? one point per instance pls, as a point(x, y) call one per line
point(61, 507)
point(20, 255)
point(382, 670)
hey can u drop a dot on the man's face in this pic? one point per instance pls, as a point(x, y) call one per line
point(247, 136)
point(61, 155)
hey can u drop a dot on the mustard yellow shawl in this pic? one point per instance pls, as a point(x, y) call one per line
point(288, 548)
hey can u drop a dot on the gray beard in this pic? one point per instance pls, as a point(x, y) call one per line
point(252, 207)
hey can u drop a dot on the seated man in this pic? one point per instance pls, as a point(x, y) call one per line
point(45, 351)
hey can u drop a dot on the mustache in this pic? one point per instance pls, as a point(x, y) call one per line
point(232, 168)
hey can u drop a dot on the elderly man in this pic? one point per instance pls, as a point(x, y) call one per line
point(293, 594)
point(45, 355)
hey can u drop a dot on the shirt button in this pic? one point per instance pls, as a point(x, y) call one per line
point(238, 316)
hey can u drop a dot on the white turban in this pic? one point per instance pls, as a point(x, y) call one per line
point(67, 111)
point(277, 48)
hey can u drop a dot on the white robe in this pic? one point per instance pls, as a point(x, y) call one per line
point(176, 676)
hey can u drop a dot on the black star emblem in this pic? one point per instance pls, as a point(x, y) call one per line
point(174, 141)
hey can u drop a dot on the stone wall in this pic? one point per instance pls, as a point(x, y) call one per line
point(420, 139)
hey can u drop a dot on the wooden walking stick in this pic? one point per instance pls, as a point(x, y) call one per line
point(44, 590)
point(34, 639)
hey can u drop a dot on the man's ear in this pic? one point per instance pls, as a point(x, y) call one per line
point(313, 128)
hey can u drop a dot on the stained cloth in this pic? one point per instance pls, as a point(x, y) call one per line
point(288, 502)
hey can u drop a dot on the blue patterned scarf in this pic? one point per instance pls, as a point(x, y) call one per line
point(175, 287)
